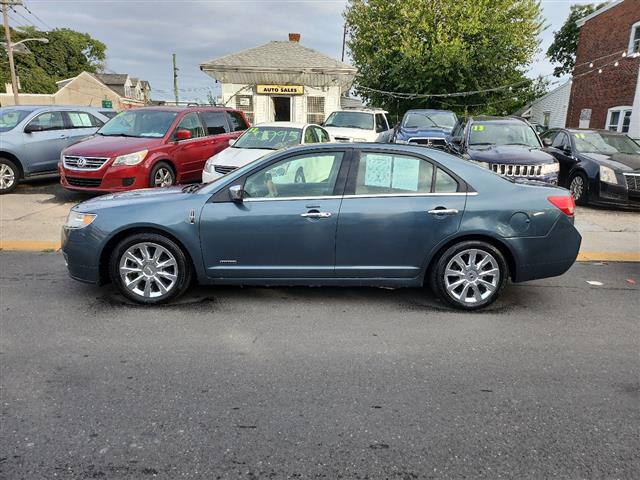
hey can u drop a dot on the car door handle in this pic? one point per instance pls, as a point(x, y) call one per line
point(316, 215)
point(443, 211)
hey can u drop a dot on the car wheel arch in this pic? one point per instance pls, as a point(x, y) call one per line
point(483, 237)
point(118, 236)
point(14, 159)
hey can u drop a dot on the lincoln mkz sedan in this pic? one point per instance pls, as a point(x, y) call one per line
point(367, 214)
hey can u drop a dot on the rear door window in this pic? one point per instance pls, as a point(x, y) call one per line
point(83, 120)
point(237, 121)
point(445, 183)
point(384, 174)
point(215, 122)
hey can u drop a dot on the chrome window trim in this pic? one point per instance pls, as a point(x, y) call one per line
point(381, 195)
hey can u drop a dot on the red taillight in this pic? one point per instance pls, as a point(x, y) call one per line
point(566, 204)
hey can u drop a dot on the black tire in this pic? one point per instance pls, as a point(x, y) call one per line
point(9, 176)
point(438, 280)
point(581, 193)
point(166, 171)
point(183, 269)
point(299, 178)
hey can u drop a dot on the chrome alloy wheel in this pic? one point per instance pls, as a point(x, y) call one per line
point(472, 276)
point(577, 187)
point(148, 270)
point(163, 177)
point(7, 177)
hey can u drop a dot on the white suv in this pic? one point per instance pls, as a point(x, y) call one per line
point(359, 126)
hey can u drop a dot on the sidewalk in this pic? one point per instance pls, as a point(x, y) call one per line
point(31, 218)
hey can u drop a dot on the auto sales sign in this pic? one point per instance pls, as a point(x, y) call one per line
point(280, 89)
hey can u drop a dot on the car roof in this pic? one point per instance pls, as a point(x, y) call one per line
point(299, 125)
point(427, 110)
point(361, 110)
point(591, 130)
point(491, 118)
point(172, 108)
point(33, 108)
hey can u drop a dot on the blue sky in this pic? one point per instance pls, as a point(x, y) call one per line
point(141, 35)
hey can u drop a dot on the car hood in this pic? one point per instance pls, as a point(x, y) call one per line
point(238, 157)
point(350, 132)
point(509, 154)
point(406, 133)
point(132, 197)
point(100, 146)
point(618, 161)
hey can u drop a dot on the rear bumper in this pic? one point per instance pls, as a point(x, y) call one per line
point(548, 256)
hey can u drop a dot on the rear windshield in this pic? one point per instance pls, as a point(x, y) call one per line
point(139, 123)
point(9, 118)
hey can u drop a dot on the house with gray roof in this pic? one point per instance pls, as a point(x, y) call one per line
point(281, 81)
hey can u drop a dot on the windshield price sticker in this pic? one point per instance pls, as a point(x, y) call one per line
point(477, 128)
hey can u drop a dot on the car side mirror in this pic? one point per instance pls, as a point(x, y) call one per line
point(546, 142)
point(232, 142)
point(183, 134)
point(33, 128)
point(236, 192)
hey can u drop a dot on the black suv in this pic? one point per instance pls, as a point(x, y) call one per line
point(509, 146)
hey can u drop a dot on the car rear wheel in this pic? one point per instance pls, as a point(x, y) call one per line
point(149, 268)
point(9, 176)
point(469, 275)
point(162, 175)
point(578, 186)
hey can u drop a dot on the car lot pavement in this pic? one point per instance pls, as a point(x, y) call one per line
point(349, 383)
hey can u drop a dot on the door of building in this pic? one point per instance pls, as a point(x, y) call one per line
point(282, 109)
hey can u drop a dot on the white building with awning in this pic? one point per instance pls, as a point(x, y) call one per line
point(281, 81)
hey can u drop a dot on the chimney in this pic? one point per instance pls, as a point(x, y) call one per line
point(294, 37)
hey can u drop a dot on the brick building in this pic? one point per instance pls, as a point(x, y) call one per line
point(605, 91)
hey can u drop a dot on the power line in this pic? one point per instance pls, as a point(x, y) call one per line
point(29, 22)
point(45, 24)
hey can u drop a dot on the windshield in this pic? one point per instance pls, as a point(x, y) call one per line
point(361, 120)
point(9, 118)
point(502, 133)
point(623, 144)
point(429, 119)
point(139, 123)
point(269, 138)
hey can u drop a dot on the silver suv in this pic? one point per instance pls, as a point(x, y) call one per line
point(32, 137)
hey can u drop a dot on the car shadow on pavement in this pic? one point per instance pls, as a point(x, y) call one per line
point(51, 186)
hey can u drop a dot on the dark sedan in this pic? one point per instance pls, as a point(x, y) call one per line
point(597, 166)
point(375, 214)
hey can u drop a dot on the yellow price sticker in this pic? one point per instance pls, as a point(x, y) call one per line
point(477, 128)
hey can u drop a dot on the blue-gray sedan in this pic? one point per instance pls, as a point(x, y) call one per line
point(366, 214)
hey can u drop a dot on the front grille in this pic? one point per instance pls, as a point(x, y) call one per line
point(84, 182)
point(509, 170)
point(84, 163)
point(224, 169)
point(633, 181)
point(429, 142)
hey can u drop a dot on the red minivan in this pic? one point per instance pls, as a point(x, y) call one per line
point(149, 147)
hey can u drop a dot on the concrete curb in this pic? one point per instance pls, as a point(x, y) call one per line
point(43, 246)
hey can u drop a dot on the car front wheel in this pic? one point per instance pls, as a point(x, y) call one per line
point(578, 186)
point(9, 176)
point(162, 175)
point(149, 268)
point(469, 275)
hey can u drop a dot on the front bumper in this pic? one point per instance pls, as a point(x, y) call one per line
point(82, 259)
point(616, 195)
point(105, 180)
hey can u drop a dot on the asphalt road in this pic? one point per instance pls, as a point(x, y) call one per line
point(318, 383)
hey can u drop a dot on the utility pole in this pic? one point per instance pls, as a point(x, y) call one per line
point(12, 67)
point(344, 38)
point(175, 80)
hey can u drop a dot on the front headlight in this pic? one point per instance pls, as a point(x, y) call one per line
point(79, 220)
point(607, 175)
point(208, 167)
point(130, 158)
point(550, 168)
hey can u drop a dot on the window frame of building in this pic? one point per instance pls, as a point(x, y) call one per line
point(246, 110)
point(624, 112)
point(546, 118)
point(315, 109)
point(634, 39)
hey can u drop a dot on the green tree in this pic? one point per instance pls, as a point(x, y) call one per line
point(67, 54)
point(442, 46)
point(563, 49)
